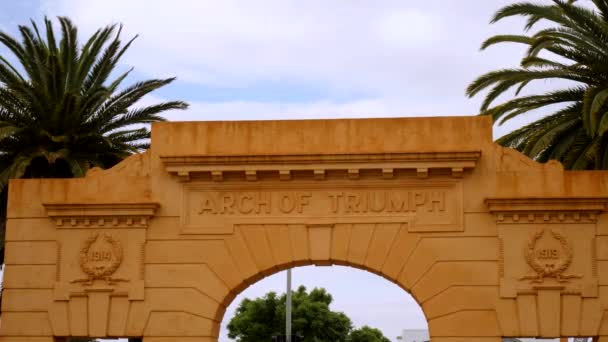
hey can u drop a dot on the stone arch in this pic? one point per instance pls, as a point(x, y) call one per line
point(472, 230)
point(414, 263)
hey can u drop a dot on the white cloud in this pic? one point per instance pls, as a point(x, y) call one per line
point(405, 58)
point(403, 28)
point(381, 48)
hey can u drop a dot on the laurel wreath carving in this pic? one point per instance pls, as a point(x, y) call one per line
point(100, 273)
point(549, 270)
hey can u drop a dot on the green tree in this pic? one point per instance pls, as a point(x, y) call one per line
point(259, 319)
point(63, 106)
point(572, 46)
point(367, 334)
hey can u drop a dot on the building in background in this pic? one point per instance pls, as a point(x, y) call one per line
point(414, 335)
point(422, 335)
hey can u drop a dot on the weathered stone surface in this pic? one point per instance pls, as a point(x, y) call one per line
point(489, 243)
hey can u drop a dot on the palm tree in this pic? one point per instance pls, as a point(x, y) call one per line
point(61, 109)
point(573, 47)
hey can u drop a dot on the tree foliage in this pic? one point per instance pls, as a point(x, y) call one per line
point(367, 334)
point(261, 318)
point(572, 46)
point(63, 105)
point(61, 111)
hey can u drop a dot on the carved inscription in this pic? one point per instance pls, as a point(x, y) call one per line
point(549, 255)
point(428, 208)
point(339, 202)
point(100, 257)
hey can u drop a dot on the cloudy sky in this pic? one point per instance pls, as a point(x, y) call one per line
point(287, 59)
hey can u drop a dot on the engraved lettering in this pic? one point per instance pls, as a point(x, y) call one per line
point(208, 205)
point(334, 200)
point(549, 262)
point(228, 204)
point(419, 202)
point(303, 201)
point(287, 203)
point(437, 201)
point(101, 256)
point(548, 254)
point(363, 202)
point(419, 199)
point(432, 207)
point(376, 201)
point(424, 206)
point(246, 204)
point(397, 203)
point(352, 202)
point(263, 201)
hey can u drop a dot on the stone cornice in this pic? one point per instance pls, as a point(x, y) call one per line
point(286, 167)
point(101, 215)
point(547, 209)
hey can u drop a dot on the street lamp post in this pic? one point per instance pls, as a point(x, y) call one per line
point(288, 308)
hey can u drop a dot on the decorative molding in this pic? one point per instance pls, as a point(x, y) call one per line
point(547, 204)
point(101, 215)
point(58, 271)
point(546, 217)
point(287, 167)
point(388, 173)
point(555, 262)
point(571, 293)
point(547, 209)
point(594, 260)
point(142, 264)
point(100, 264)
point(534, 290)
point(501, 257)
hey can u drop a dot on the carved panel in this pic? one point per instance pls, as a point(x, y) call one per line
point(102, 251)
point(547, 245)
point(100, 257)
point(100, 260)
point(426, 206)
point(548, 257)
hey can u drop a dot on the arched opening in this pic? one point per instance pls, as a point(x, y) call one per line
point(366, 298)
point(440, 277)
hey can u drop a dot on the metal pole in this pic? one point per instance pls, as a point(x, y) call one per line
point(288, 308)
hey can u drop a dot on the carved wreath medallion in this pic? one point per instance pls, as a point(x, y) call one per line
point(549, 262)
point(99, 259)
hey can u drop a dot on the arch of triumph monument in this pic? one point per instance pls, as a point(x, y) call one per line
point(490, 243)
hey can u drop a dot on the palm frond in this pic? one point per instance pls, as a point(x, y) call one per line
point(571, 46)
